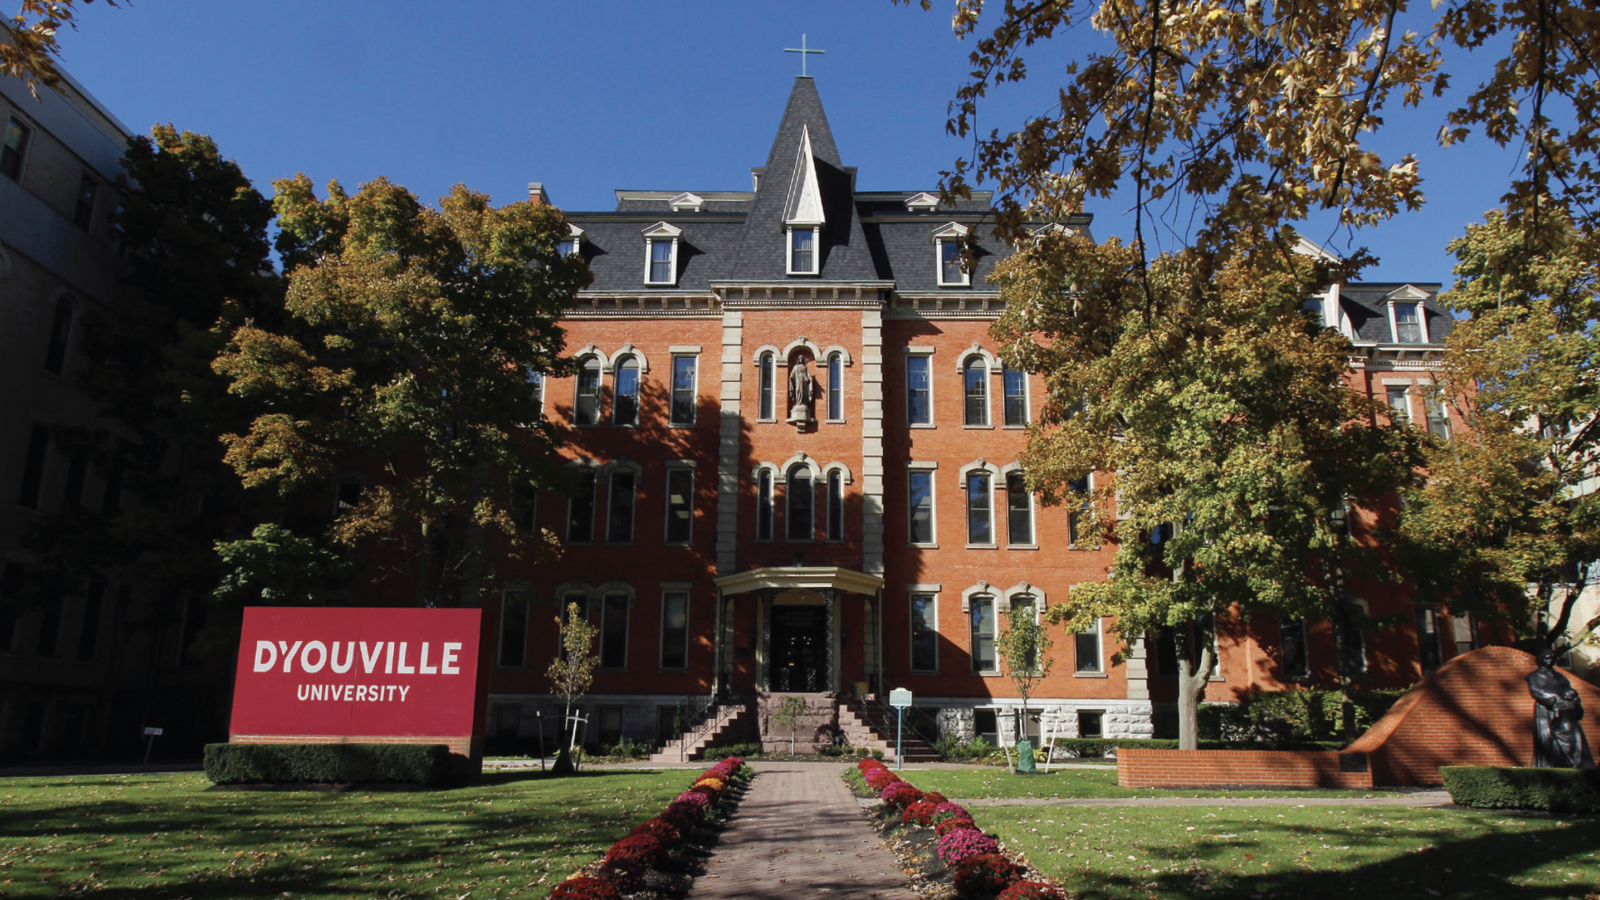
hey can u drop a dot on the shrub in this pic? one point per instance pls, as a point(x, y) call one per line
point(986, 874)
point(626, 872)
point(1515, 787)
point(934, 797)
point(733, 750)
point(680, 817)
point(585, 887)
point(878, 779)
point(901, 794)
point(327, 763)
point(715, 784)
point(662, 830)
point(1293, 717)
point(918, 813)
point(1031, 890)
point(947, 810)
point(964, 842)
point(646, 848)
point(955, 823)
point(694, 800)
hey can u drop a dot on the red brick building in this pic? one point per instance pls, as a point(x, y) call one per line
point(794, 445)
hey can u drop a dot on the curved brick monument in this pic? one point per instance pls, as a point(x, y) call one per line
point(1474, 711)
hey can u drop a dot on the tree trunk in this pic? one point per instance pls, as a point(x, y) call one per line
point(1192, 678)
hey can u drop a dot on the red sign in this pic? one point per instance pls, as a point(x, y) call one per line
point(358, 672)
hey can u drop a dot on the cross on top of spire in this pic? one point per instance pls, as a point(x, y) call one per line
point(802, 50)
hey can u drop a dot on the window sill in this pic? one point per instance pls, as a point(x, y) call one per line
point(923, 546)
point(624, 424)
point(983, 547)
point(761, 421)
point(955, 284)
point(586, 425)
point(1022, 427)
point(977, 427)
point(1022, 546)
point(688, 543)
point(921, 425)
point(1090, 675)
point(680, 424)
point(835, 421)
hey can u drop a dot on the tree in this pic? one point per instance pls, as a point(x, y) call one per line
point(1503, 522)
point(1025, 646)
point(1212, 411)
point(410, 341)
point(30, 41)
point(788, 715)
point(572, 670)
point(1232, 114)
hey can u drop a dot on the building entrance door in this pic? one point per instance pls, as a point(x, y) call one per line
point(798, 650)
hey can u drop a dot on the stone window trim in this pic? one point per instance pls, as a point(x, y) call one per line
point(1026, 589)
point(601, 366)
point(980, 467)
point(982, 591)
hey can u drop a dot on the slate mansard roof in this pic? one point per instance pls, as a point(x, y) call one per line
point(740, 237)
point(871, 237)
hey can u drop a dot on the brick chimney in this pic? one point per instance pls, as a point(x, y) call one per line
point(536, 194)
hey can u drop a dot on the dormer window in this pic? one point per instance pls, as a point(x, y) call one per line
point(572, 245)
point(922, 202)
point(661, 254)
point(803, 250)
point(948, 241)
point(687, 202)
point(1407, 319)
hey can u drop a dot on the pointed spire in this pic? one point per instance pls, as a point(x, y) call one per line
point(804, 204)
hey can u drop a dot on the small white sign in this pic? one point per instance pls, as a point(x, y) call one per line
point(899, 698)
point(153, 732)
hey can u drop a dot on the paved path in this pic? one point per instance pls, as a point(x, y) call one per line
point(1417, 798)
point(799, 832)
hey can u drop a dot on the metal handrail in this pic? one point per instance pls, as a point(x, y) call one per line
point(701, 714)
point(882, 718)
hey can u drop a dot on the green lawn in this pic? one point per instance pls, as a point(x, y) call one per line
point(967, 784)
point(165, 837)
point(1119, 853)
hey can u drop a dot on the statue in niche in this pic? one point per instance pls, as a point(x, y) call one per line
point(801, 389)
point(1558, 739)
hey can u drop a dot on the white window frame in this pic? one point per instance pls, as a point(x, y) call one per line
point(661, 231)
point(610, 471)
point(619, 362)
point(952, 234)
point(989, 471)
point(1433, 401)
point(1006, 473)
point(673, 468)
point(911, 627)
point(575, 237)
point(816, 250)
point(1394, 322)
point(929, 469)
point(1027, 398)
point(982, 591)
point(1389, 387)
point(1072, 542)
point(1099, 671)
point(970, 363)
point(926, 355)
point(672, 387)
point(630, 600)
point(668, 588)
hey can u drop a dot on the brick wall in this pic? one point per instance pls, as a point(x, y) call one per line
point(1475, 710)
point(1239, 768)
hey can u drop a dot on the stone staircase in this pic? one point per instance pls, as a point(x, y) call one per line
point(730, 719)
point(878, 734)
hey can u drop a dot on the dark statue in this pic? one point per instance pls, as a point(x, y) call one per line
point(801, 388)
point(1558, 739)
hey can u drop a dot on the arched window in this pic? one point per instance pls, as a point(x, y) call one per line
point(1016, 400)
point(975, 377)
point(55, 355)
point(836, 387)
point(768, 365)
point(586, 408)
point(764, 505)
point(836, 505)
point(1019, 510)
point(625, 392)
point(799, 520)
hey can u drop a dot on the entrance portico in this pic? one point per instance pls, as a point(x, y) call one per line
point(800, 630)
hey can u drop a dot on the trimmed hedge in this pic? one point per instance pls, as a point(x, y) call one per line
point(327, 763)
point(1519, 787)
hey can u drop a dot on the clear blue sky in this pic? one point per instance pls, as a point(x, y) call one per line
point(592, 96)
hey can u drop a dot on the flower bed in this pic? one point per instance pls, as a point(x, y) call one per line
point(635, 861)
point(940, 841)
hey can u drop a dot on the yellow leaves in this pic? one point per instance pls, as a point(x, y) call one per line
point(278, 448)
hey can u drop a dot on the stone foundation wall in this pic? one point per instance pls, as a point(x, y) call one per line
point(813, 730)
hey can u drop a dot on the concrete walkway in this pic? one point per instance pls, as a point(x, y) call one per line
point(799, 832)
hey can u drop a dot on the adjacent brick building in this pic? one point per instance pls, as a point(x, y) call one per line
point(732, 536)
